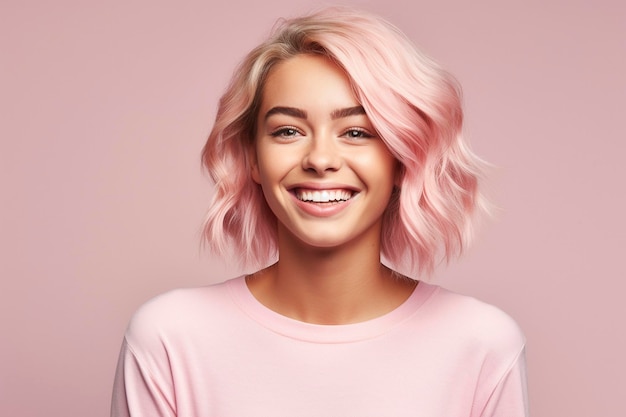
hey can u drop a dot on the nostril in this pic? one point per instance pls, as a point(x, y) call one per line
point(321, 161)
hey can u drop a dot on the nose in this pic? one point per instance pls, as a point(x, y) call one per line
point(322, 155)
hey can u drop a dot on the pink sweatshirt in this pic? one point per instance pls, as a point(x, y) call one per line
point(217, 351)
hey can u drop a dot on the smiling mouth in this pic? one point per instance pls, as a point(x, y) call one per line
point(323, 196)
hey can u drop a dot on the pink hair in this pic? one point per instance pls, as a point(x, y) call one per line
point(414, 105)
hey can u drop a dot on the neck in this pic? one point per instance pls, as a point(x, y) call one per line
point(330, 286)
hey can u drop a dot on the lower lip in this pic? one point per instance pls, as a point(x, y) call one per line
point(321, 209)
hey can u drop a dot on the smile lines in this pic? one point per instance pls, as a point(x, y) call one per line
point(323, 196)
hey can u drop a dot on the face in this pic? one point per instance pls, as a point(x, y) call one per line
point(325, 174)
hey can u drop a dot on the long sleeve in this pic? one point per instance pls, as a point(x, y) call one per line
point(137, 392)
point(217, 351)
point(510, 397)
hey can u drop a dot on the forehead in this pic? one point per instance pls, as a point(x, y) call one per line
point(307, 81)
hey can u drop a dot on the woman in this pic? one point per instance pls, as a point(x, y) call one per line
point(335, 143)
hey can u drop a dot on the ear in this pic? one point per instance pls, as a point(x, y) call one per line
point(253, 164)
point(398, 174)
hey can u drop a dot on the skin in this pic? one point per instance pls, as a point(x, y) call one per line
point(313, 136)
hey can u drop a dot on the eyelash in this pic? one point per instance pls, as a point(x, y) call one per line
point(364, 134)
point(282, 132)
point(289, 132)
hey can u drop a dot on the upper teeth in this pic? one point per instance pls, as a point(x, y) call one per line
point(324, 196)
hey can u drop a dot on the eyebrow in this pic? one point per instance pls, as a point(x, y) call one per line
point(289, 111)
point(347, 112)
point(301, 114)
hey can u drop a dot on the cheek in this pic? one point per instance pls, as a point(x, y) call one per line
point(388, 180)
point(266, 164)
point(268, 172)
point(382, 166)
point(274, 163)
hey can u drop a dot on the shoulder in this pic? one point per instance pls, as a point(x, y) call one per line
point(485, 343)
point(481, 325)
point(180, 312)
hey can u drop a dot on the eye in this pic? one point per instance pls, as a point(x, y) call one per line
point(285, 132)
point(357, 133)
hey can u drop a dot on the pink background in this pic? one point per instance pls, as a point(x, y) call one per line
point(105, 107)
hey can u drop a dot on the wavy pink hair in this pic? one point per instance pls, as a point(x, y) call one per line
point(414, 105)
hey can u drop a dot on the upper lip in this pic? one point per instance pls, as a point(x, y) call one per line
point(322, 186)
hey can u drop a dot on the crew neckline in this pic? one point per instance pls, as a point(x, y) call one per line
point(327, 333)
